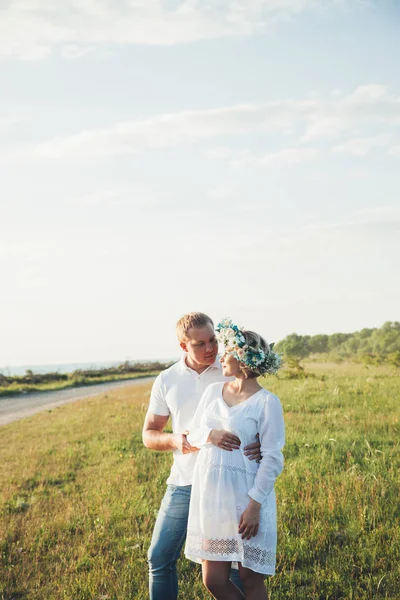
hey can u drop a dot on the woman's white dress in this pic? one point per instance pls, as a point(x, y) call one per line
point(224, 481)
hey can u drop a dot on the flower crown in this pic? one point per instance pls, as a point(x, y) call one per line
point(231, 336)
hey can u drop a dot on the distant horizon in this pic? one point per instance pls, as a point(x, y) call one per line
point(21, 368)
point(63, 367)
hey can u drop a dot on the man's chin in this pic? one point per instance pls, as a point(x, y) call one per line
point(210, 360)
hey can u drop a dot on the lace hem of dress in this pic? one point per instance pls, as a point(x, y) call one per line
point(232, 468)
point(250, 556)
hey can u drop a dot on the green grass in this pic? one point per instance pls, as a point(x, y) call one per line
point(19, 388)
point(79, 495)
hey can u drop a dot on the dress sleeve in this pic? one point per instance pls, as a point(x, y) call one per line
point(198, 431)
point(158, 404)
point(272, 439)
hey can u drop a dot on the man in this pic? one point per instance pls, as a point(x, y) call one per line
point(176, 393)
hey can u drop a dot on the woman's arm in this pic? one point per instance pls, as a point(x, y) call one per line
point(272, 438)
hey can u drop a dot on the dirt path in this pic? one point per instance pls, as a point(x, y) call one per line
point(13, 408)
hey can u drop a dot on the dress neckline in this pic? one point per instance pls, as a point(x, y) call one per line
point(240, 403)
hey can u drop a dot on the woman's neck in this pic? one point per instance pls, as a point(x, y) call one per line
point(241, 385)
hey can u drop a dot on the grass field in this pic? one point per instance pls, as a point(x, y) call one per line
point(79, 494)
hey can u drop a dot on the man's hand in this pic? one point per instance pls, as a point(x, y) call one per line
point(250, 520)
point(253, 451)
point(181, 443)
point(224, 439)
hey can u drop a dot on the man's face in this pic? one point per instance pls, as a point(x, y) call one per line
point(201, 345)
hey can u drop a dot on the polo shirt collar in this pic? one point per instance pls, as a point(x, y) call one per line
point(216, 364)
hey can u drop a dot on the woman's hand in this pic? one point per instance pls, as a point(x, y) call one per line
point(250, 520)
point(224, 439)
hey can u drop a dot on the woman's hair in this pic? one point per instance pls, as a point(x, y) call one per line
point(256, 342)
point(194, 319)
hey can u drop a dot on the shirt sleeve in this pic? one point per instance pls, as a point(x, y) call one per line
point(198, 430)
point(158, 404)
point(272, 439)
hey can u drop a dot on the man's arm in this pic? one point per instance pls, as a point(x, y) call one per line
point(253, 451)
point(155, 438)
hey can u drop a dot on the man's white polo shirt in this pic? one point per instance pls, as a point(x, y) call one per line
point(176, 393)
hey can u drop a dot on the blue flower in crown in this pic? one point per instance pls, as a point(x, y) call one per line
point(231, 336)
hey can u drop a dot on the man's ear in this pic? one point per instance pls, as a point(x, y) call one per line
point(183, 346)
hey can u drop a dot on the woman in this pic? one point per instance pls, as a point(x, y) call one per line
point(232, 518)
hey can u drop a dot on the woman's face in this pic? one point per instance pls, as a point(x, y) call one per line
point(230, 365)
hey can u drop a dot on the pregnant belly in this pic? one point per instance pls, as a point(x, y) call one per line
point(235, 462)
point(220, 489)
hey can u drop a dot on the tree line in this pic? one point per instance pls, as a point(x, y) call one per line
point(82, 375)
point(368, 345)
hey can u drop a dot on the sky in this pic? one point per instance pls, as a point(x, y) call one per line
point(236, 157)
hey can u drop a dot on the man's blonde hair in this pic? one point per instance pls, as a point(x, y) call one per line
point(193, 319)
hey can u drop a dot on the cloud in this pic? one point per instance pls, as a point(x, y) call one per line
point(138, 196)
point(33, 29)
point(163, 131)
point(9, 120)
point(345, 113)
point(380, 221)
point(389, 213)
point(220, 152)
point(284, 157)
point(72, 51)
point(359, 232)
point(225, 191)
point(242, 158)
point(110, 198)
point(369, 106)
point(288, 156)
point(362, 146)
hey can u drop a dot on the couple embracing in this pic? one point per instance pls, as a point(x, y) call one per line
point(227, 440)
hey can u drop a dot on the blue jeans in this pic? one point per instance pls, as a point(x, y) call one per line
point(168, 538)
